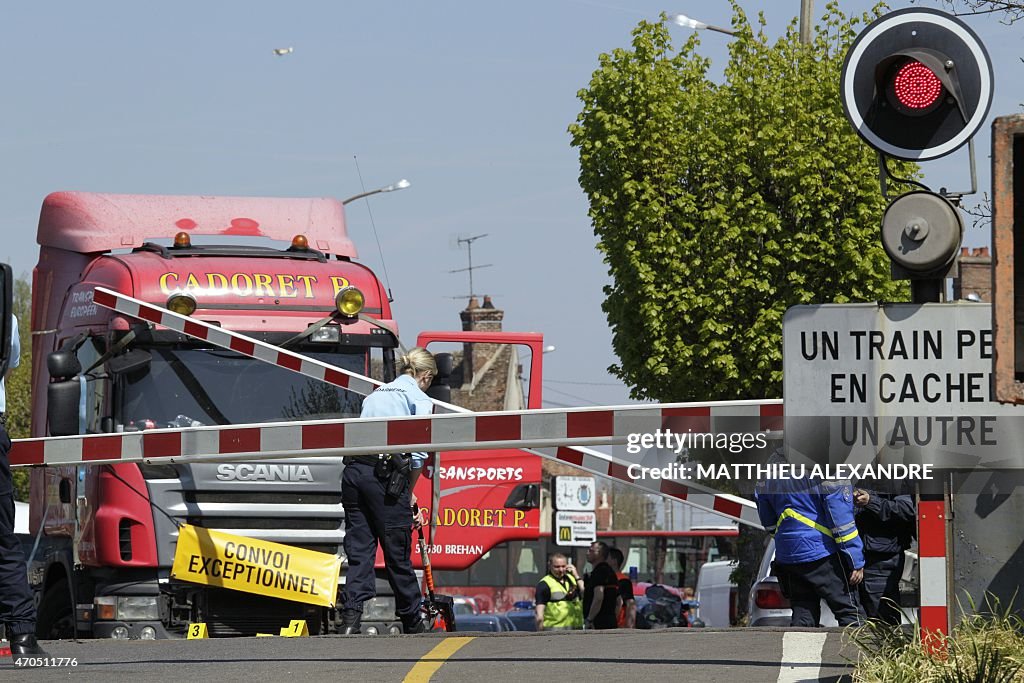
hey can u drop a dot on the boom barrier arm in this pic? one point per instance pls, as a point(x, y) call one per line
point(695, 494)
point(452, 432)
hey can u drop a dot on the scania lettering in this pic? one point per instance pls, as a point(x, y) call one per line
point(261, 472)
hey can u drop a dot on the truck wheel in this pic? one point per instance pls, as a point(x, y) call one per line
point(56, 618)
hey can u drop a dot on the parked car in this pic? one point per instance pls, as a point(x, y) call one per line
point(768, 607)
point(489, 623)
point(465, 605)
point(522, 617)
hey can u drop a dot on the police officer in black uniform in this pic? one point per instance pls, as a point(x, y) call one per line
point(17, 610)
point(886, 519)
point(376, 492)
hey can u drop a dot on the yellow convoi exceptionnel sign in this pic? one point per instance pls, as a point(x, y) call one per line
point(245, 564)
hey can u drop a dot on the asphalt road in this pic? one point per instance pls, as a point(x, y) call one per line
point(705, 655)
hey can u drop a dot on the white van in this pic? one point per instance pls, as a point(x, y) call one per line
point(716, 594)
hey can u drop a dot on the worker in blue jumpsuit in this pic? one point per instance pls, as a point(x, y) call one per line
point(376, 492)
point(17, 610)
point(818, 552)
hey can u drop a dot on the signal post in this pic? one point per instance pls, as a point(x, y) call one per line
point(917, 85)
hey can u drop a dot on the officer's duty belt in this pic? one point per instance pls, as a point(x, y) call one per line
point(368, 459)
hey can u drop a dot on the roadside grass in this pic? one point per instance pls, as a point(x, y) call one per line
point(986, 647)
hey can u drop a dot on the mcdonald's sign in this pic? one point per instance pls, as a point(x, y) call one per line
point(574, 528)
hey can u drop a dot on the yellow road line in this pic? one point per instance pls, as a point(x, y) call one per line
point(433, 660)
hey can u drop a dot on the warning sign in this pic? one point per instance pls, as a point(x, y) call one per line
point(896, 383)
point(245, 564)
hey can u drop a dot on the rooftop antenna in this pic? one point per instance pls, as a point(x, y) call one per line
point(468, 241)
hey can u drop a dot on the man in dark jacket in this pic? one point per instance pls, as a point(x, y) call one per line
point(886, 519)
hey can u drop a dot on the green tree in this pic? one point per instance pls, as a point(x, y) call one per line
point(717, 206)
point(19, 384)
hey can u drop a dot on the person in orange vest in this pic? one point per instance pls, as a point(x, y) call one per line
point(626, 602)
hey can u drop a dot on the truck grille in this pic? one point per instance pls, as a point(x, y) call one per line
point(304, 511)
point(230, 614)
point(262, 497)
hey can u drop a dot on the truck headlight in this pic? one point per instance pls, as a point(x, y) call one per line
point(137, 608)
point(328, 334)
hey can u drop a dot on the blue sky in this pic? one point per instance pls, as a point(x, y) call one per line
point(469, 101)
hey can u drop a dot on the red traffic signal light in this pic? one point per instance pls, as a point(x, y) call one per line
point(917, 84)
point(913, 89)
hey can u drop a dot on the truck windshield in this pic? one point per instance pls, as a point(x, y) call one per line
point(189, 387)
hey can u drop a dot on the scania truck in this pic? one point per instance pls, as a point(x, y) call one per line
point(283, 271)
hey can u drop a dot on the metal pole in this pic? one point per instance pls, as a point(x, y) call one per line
point(469, 246)
point(806, 10)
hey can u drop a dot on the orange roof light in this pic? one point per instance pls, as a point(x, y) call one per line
point(182, 240)
point(300, 242)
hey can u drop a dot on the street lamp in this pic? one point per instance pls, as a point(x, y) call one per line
point(687, 22)
point(400, 185)
point(548, 349)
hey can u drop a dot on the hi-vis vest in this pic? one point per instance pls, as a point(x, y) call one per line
point(562, 611)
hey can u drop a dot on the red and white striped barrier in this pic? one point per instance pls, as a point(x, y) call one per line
point(450, 432)
point(932, 558)
point(700, 415)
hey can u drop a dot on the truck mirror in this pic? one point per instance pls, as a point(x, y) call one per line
point(439, 388)
point(524, 497)
point(445, 365)
point(63, 364)
point(6, 327)
point(133, 361)
point(62, 406)
point(440, 392)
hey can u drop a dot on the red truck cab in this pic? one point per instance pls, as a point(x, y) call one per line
point(268, 268)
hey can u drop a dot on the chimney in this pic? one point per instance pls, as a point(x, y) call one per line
point(484, 368)
point(974, 274)
point(484, 318)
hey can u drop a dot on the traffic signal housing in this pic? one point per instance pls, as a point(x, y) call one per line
point(917, 84)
